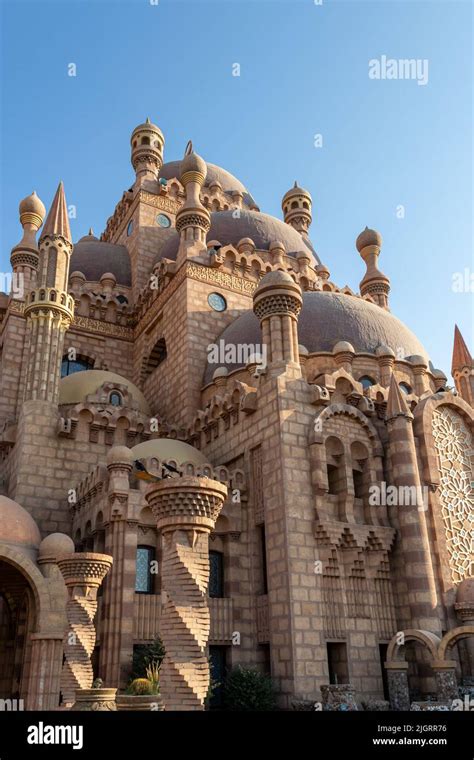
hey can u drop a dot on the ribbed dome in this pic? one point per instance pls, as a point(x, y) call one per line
point(326, 319)
point(93, 257)
point(263, 229)
point(17, 526)
point(214, 174)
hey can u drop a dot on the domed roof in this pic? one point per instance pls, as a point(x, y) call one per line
point(215, 173)
point(17, 526)
point(168, 448)
point(74, 388)
point(326, 319)
point(263, 229)
point(54, 545)
point(93, 257)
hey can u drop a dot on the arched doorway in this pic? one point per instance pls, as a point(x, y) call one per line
point(17, 619)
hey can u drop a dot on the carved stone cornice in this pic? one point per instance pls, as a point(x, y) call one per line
point(103, 328)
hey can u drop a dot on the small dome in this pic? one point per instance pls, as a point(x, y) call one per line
point(192, 162)
point(54, 545)
point(147, 125)
point(296, 190)
point(32, 205)
point(439, 374)
point(384, 351)
point(368, 237)
point(108, 276)
point(168, 448)
point(74, 388)
point(89, 237)
point(220, 372)
point(417, 360)
point(342, 347)
point(120, 455)
point(302, 350)
point(465, 591)
point(17, 527)
point(276, 279)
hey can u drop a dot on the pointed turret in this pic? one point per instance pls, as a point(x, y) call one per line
point(57, 221)
point(396, 406)
point(462, 368)
point(193, 220)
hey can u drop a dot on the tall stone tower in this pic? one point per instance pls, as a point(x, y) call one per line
point(49, 309)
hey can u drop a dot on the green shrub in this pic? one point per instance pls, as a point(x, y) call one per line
point(145, 655)
point(248, 689)
point(140, 686)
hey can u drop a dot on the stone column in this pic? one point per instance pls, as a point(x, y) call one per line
point(414, 539)
point(186, 510)
point(446, 681)
point(398, 691)
point(118, 602)
point(83, 574)
point(45, 671)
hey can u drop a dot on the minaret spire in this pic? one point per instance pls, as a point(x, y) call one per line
point(57, 221)
point(462, 368)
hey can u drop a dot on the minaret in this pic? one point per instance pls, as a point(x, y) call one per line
point(296, 205)
point(49, 309)
point(193, 220)
point(24, 257)
point(147, 144)
point(374, 283)
point(421, 595)
point(462, 368)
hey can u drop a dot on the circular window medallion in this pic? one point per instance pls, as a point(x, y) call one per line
point(130, 228)
point(217, 302)
point(163, 220)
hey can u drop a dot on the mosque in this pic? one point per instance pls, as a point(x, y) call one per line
point(252, 539)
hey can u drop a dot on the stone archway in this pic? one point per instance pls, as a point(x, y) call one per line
point(397, 667)
point(37, 619)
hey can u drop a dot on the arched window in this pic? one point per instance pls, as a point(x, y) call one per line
point(115, 399)
point(294, 204)
point(144, 570)
point(216, 574)
point(69, 366)
point(145, 141)
point(157, 355)
point(405, 388)
point(366, 381)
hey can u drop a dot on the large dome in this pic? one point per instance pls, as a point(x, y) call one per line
point(214, 174)
point(263, 229)
point(326, 319)
point(93, 257)
point(17, 527)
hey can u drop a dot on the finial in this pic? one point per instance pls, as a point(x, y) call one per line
point(189, 148)
point(147, 120)
point(91, 231)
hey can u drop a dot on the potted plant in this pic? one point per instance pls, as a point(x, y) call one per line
point(142, 693)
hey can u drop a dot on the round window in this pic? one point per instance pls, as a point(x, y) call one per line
point(217, 302)
point(130, 228)
point(163, 220)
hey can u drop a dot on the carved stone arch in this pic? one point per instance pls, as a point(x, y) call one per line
point(44, 607)
point(429, 640)
point(345, 409)
point(452, 637)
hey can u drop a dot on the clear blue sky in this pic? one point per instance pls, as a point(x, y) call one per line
point(304, 70)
